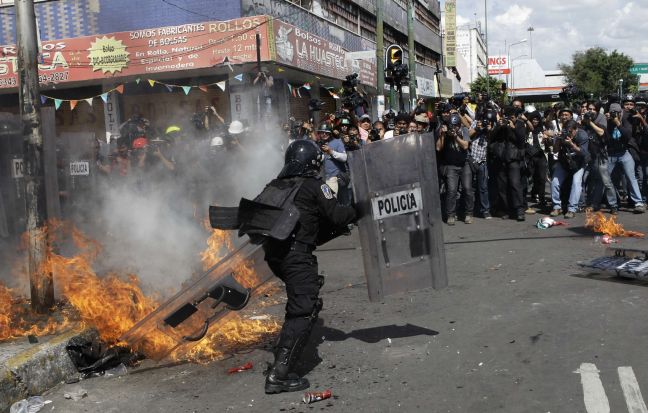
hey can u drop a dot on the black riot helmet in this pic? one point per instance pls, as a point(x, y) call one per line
point(303, 158)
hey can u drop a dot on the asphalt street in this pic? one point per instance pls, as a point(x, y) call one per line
point(521, 328)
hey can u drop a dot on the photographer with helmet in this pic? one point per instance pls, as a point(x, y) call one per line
point(452, 145)
point(507, 143)
point(401, 124)
point(335, 156)
point(536, 158)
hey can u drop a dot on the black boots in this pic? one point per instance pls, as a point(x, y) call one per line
point(280, 378)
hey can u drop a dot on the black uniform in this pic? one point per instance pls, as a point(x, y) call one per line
point(293, 262)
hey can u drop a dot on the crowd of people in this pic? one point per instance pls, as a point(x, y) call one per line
point(500, 161)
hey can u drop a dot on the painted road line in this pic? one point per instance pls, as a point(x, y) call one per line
point(631, 390)
point(593, 392)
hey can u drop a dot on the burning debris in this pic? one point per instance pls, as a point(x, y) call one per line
point(113, 303)
point(608, 226)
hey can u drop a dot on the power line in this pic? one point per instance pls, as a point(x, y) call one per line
point(186, 10)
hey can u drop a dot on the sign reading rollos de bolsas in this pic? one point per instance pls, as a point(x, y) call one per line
point(143, 52)
point(397, 203)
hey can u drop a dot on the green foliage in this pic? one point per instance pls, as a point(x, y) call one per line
point(494, 88)
point(596, 72)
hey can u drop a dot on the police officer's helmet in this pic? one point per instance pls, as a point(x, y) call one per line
point(303, 158)
point(325, 127)
point(628, 98)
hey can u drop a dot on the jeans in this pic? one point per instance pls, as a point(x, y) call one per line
point(510, 194)
point(479, 173)
point(603, 182)
point(628, 165)
point(559, 176)
point(643, 177)
point(452, 174)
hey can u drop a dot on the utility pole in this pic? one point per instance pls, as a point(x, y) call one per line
point(41, 282)
point(530, 29)
point(486, 32)
point(411, 48)
point(380, 49)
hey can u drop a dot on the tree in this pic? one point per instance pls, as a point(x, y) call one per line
point(494, 87)
point(595, 73)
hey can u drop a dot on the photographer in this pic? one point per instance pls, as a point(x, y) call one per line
point(506, 148)
point(422, 123)
point(377, 133)
point(364, 126)
point(477, 159)
point(452, 145)
point(620, 143)
point(536, 158)
point(351, 140)
point(400, 126)
point(571, 147)
point(641, 134)
point(335, 156)
point(595, 125)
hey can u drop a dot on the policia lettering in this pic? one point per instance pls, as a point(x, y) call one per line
point(401, 203)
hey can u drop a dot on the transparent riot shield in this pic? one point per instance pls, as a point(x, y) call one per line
point(187, 317)
point(396, 188)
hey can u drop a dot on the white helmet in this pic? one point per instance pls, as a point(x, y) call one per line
point(235, 127)
point(216, 141)
point(529, 108)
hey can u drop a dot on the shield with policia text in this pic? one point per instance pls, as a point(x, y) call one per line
point(396, 188)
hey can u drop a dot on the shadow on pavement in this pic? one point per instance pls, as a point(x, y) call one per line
point(611, 278)
point(371, 335)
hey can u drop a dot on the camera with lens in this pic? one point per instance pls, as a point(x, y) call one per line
point(374, 135)
point(614, 114)
point(632, 112)
point(315, 105)
point(588, 117)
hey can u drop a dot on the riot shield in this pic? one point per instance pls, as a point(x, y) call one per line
point(396, 188)
point(186, 318)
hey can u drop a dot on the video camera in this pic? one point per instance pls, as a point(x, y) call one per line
point(315, 105)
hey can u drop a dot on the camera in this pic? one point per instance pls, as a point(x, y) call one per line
point(615, 114)
point(374, 135)
point(632, 112)
point(588, 117)
point(315, 105)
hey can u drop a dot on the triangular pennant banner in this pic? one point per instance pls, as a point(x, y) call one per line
point(73, 104)
point(43, 99)
point(280, 70)
point(203, 88)
point(289, 87)
point(307, 86)
point(120, 89)
point(137, 80)
point(239, 77)
point(221, 85)
point(104, 97)
point(89, 101)
point(186, 89)
point(151, 82)
point(57, 103)
point(298, 94)
point(293, 93)
point(169, 87)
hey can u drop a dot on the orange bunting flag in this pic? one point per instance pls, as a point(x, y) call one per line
point(73, 104)
point(120, 89)
point(203, 88)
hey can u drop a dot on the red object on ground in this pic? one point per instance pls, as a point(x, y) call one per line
point(316, 396)
point(246, 366)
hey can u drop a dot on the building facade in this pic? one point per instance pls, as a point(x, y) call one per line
point(471, 46)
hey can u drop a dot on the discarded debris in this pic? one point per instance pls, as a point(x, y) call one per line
point(93, 357)
point(117, 371)
point(260, 317)
point(316, 396)
point(606, 239)
point(30, 405)
point(546, 222)
point(246, 366)
point(76, 393)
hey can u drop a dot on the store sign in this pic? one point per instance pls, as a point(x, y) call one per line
point(498, 65)
point(450, 33)
point(143, 52)
point(639, 68)
point(425, 86)
point(298, 48)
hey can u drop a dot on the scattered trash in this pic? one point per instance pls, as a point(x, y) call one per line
point(30, 405)
point(246, 366)
point(480, 364)
point(316, 396)
point(117, 371)
point(546, 222)
point(92, 357)
point(260, 317)
point(76, 393)
point(388, 341)
point(606, 239)
point(32, 339)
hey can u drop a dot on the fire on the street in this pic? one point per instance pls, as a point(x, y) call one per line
point(608, 226)
point(113, 303)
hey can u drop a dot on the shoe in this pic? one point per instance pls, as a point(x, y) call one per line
point(468, 219)
point(614, 211)
point(555, 213)
point(521, 217)
point(570, 214)
point(487, 216)
point(451, 220)
point(639, 209)
point(530, 211)
point(279, 379)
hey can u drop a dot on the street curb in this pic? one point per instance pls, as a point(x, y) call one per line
point(41, 367)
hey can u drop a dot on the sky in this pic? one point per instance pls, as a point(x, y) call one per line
point(561, 27)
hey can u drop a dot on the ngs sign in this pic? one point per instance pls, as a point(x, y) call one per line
point(498, 65)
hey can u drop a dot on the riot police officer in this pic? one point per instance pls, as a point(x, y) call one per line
point(321, 218)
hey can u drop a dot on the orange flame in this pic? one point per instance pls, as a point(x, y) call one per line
point(114, 303)
point(608, 226)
